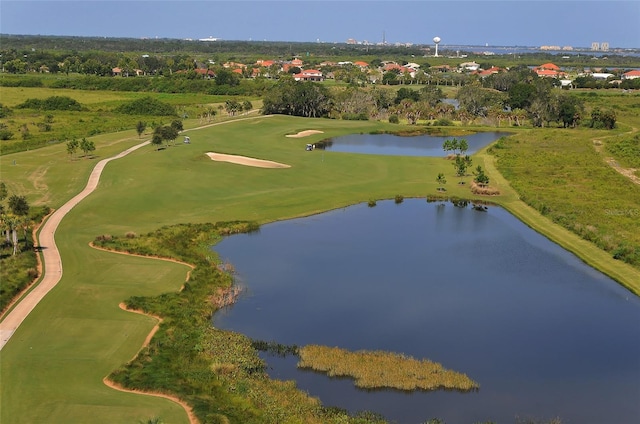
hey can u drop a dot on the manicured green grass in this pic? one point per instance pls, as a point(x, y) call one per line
point(52, 368)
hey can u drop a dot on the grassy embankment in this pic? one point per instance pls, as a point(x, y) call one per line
point(78, 335)
point(562, 175)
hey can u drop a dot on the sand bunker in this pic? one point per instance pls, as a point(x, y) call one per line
point(243, 160)
point(305, 133)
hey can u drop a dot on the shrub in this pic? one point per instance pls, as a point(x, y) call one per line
point(393, 119)
point(52, 103)
point(147, 106)
point(399, 198)
point(443, 122)
point(5, 134)
point(371, 203)
point(362, 116)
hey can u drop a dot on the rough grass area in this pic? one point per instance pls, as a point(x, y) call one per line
point(560, 174)
point(380, 370)
point(33, 128)
point(16, 272)
point(626, 149)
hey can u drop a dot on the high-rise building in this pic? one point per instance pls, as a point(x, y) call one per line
point(604, 46)
point(595, 46)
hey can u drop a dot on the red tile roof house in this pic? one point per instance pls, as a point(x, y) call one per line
point(549, 70)
point(401, 69)
point(204, 73)
point(549, 66)
point(309, 75)
point(631, 74)
point(486, 72)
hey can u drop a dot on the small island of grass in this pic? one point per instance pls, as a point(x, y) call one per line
point(382, 370)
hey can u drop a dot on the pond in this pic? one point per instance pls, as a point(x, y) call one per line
point(480, 292)
point(391, 144)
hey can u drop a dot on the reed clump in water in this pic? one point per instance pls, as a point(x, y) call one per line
point(380, 370)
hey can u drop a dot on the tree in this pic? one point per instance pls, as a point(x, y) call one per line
point(18, 205)
point(520, 95)
point(3, 191)
point(442, 181)
point(449, 145)
point(458, 147)
point(225, 76)
point(481, 178)
point(176, 124)
point(603, 119)
point(87, 146)
point(570, 109)
point(461, 165)
point(19, 210)
point(164, 133)
point(232, 106)
point(390, 78)
point(290, 97)
point(140, 127)
point(72, 147)
point(247, 106)
point(406, 93)
point(463, 146)
point(431, 95)
point(156, 140)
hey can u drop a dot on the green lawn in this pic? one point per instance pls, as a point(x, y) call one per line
point(52, 368)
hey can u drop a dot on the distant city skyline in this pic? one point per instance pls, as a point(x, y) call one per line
point(494, 23)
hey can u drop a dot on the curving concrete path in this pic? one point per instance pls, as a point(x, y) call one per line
point(52, 263)
point(51, 260)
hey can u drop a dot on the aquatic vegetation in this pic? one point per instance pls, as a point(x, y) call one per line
point(378, 369)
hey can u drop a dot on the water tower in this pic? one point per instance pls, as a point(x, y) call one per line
point(437, 41)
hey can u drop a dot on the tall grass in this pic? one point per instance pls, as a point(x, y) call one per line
point(559, 173)
point(379, 370)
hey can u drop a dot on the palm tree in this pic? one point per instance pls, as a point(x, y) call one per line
point(442, 181)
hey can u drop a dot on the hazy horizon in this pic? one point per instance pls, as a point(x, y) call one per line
point(530, 23)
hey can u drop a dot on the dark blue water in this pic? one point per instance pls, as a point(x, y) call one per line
point(544, 335)
point(420, 145)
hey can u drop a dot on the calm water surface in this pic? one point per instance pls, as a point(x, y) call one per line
point(420, 145)
point(544, 335)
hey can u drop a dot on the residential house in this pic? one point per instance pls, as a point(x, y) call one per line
point(470, 66)
point(631, 74)
point(549, 70)
point(309, 75)
point(486, 72)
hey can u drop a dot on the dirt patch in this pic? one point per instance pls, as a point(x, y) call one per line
point(627, 172)
point(630, 173)
point(305, 133)
point(243, 160)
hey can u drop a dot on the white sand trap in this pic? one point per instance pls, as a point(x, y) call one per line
point(305, 133)
point(243, 160)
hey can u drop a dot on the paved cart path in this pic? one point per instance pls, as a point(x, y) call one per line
point(52, 263)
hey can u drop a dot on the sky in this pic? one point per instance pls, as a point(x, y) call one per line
point(575, 23)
